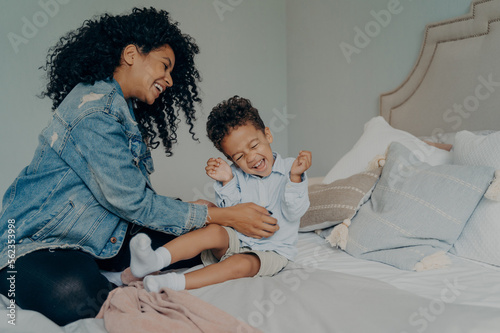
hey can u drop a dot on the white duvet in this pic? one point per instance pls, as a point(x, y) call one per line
point(327, 290)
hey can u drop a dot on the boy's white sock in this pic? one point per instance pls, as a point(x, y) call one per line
point(143, 260)
point(173, 281)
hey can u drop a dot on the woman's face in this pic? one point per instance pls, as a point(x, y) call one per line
point(149, 74)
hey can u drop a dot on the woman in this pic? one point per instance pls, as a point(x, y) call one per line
point(117, 84)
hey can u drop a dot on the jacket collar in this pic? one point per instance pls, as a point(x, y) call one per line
point(129, 101)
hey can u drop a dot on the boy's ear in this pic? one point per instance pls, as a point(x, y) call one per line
point(269, 135)
point(130, 52)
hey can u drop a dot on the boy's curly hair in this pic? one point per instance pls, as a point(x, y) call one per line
point(230, 114)
point(93, 52)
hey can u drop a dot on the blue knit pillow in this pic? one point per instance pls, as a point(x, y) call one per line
point(479, 239)
point(416, 210)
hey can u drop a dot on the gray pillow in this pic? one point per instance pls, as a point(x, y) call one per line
point(416, 211)
point(332, 203)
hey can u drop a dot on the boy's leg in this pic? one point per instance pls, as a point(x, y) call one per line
point(212, 237)
point(235, 267)
point(122, 260)
point(145, 260)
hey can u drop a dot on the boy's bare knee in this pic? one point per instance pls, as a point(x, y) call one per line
point(216, 230)
point(246, 265)
point(214, 227)
point(218, 235)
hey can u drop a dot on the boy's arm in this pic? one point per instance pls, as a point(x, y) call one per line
point(227, 190)
point(295, 200)
point(229, 194)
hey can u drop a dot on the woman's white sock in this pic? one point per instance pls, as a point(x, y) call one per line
point(143, 259)
point(173, 281)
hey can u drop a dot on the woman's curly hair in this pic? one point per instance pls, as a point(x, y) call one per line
point(93, 52)
point(228, 115)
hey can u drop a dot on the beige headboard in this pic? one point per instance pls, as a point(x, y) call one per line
point(455, 83)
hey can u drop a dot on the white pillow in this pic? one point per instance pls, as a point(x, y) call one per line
point(479, 239)
point(377, 136)
point(449, 137)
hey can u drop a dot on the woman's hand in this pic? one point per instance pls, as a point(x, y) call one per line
point(219, 170)
point(248, 218)
point(444, 146)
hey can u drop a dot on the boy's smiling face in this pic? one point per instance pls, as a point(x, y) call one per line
point(250, 149)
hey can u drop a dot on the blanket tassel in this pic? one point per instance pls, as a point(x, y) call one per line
point(377, 162)
point(338, 236)
point(493, 192)
point(434, 261)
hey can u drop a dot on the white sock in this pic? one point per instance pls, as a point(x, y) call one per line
point(143, 260)
point(173, 281)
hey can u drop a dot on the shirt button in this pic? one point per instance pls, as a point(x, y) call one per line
point(113, 240)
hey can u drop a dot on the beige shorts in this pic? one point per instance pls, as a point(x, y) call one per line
point(270, 262)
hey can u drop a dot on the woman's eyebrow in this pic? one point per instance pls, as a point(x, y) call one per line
point(169, 61)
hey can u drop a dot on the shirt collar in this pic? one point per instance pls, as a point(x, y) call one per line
point(278, 166)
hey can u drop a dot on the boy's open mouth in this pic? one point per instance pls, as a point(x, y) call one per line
point(260, 166)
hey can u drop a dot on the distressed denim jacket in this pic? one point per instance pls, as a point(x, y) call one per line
point(88, 179)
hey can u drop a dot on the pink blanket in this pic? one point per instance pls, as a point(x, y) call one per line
point(133, 309)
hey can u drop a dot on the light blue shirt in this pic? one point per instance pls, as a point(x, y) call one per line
point(287, 201)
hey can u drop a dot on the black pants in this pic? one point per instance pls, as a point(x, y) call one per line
point(66, 285)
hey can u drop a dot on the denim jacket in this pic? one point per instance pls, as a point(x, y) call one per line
point(88, 179)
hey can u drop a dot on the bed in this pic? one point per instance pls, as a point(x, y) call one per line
point(366, 283)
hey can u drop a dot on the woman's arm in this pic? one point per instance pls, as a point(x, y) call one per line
point(98, 151)
point(248, 218)
point(444, 146)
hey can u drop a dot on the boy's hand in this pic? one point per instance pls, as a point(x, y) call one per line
point(300, 165)
point(219, 170)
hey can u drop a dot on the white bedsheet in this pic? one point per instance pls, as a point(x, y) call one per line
point(469, 292)
point(466, 281)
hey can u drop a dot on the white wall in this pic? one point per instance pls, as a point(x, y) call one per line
point(283, 55)
point(332, 95)
point(243, 52)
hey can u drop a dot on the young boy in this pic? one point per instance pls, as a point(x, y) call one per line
point(257, 175)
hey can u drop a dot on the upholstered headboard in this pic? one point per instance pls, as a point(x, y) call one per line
point(455, 83)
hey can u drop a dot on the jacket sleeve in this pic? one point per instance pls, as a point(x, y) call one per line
point(97, 149)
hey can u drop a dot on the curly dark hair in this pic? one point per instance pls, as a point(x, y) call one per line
point(228, 115)
point(93, 52)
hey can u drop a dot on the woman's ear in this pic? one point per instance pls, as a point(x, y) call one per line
point(269, 135)
point(130, 52)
